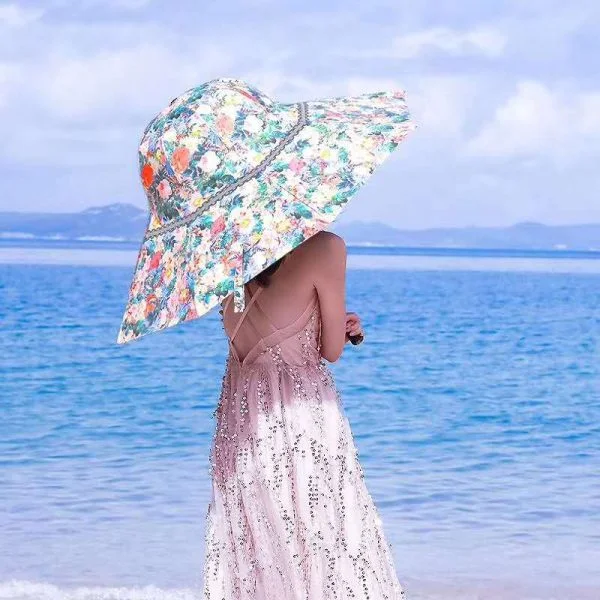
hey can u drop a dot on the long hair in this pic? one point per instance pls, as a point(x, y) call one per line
point(264, 277)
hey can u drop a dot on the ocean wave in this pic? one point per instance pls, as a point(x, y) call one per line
point(28, 590)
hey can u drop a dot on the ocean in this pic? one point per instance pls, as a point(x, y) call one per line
point(474, 403)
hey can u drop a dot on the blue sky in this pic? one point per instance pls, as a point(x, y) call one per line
point(506, 95)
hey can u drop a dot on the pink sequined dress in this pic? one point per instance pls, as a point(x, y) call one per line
point(290, 516)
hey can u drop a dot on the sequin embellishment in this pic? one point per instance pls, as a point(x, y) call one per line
point(290, 516)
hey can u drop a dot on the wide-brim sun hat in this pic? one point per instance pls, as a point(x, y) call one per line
point(236, 180)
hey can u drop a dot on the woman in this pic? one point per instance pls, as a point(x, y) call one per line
point(291, 517)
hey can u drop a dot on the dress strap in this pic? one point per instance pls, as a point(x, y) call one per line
point(246, 309)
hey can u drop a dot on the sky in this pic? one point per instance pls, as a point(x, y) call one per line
point(505, 93)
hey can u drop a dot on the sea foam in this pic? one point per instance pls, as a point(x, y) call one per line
point(28, 590)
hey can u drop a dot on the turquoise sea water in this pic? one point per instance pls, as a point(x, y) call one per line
point(474, 402)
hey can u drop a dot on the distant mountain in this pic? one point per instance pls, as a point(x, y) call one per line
point(117, 221)
point(125, 222)
point(522, 236)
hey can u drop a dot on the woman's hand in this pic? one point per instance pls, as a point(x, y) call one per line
point(353, 326)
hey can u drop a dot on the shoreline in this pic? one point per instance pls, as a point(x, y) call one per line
point(411, 262)
point(492, 589)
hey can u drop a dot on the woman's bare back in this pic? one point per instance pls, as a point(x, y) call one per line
point(314, 269)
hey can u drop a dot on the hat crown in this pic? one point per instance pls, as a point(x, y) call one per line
point(207, 138)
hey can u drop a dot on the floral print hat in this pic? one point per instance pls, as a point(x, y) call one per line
point(235, 180)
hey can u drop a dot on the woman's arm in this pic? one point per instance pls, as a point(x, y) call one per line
point(330, 281)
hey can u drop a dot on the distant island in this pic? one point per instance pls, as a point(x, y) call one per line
point(121, 222)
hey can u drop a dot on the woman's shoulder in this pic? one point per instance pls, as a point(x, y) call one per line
point(324, 244)
point(319, 256)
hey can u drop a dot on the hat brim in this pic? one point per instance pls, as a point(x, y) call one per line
point(183, 273)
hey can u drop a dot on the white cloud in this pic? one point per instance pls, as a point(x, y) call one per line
point(105, 4)
point(13, 15)
point(99, 92)
point(75, 146)
point(538, 120)
point(127, 4)
point(8, 75)
point(589, 119)
point(481, 40)
point(440, 104)
point(287, 86)
point(61, 100)
point(118, 82)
